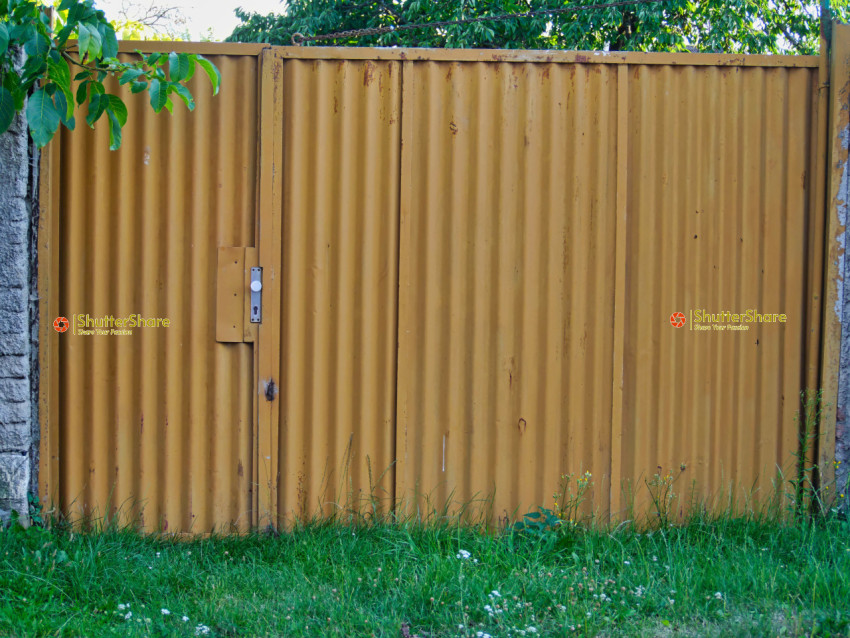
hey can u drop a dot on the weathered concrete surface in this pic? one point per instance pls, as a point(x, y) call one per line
point(18, 308)
point(842, 418)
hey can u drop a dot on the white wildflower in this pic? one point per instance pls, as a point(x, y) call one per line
point(128, 615)
point(494, 594)
point(718, 595)
point(463, 554)
point(531, 630)
point(122, 606)
point(202, 630)
point(165, 612)
point(625, 562)
point(185, 619)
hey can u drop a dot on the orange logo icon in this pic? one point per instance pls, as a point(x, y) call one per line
point(61, 324)
point(677, 320)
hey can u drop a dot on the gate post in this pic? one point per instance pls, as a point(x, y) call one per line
point(18, 316)
point(834, 448)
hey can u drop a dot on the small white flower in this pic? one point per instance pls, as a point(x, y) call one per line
point(531, 630)
point(185, 619)
point(463, 554)
point(121, 606)
point(488, 609)
point(587, 614)
point(460, 626)
point(655, 559)
point(474, 560)
point(165, 612)
point(625, 562)
point(718, 595)
point(202, 630)
point(157, 554)
point(128, 615)
point(495, 594)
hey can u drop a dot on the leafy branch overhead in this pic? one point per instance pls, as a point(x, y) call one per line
point(65, 67)
point(730, 26)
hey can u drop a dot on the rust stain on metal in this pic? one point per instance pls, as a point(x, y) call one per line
point(368, 70)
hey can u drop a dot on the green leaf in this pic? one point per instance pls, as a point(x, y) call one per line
point(185, 95)
point(212, 73)
point(192, 58)
point(110, 42)
point(83, 40)
point(64, 33)
point(114, 130)
point(130, 75)
point(66, 4)
point(61, 75)
point(37, 46)
point(7, 109)
point(178, 66)
point(4, 38)
point(95, 47)
point(82, 91)
point(159, 96)
point(12, 83)
point(42, 117)
point(97, 105)
point(117, 108)
point(66, 110)
point(153, 58)
point(138, 87)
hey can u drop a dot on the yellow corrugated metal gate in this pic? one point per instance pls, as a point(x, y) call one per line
point(472, 268)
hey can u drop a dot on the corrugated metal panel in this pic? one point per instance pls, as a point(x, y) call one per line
point(470, 263)
point(338, 302)
point(507, 260)
point(158, 423)
point(719, 166)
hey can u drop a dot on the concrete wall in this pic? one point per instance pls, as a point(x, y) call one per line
point(18, 321)
point(842, 409)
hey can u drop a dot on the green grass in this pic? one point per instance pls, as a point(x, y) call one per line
point(728, 577)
